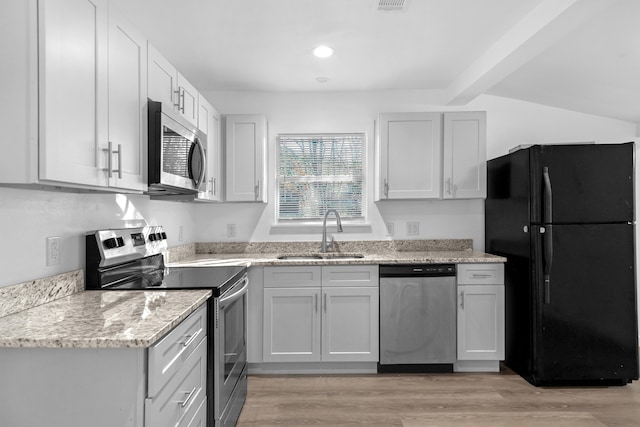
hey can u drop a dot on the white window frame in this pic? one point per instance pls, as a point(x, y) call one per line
point(361, 220)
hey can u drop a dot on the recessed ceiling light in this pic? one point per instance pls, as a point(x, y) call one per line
point(322, 79)
point(323, 51)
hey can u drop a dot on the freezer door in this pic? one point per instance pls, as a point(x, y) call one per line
point(585, 316)
point(585, 183)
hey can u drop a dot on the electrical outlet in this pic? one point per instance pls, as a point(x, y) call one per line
point(180, 233)
point(390, 229)
point(413, 228)
point(53, 250)
point(231, 230)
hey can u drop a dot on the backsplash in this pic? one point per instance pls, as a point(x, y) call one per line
point(40, 291)
point(179, 253)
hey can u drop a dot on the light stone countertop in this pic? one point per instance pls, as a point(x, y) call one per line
point(101, 319)
point(404, 257)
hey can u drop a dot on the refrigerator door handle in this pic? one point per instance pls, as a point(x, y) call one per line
point(547, 239)
point(548, 197)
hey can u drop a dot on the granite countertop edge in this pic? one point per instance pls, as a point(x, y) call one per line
point(117, 319)
point(272, 259)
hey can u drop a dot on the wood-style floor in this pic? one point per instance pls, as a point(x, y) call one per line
point(414, 400)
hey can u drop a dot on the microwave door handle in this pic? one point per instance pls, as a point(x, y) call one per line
point(201, 174)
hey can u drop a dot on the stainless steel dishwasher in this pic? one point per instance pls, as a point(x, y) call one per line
point(417, 318)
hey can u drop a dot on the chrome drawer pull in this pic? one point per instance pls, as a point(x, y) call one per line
point(191, 339)
point(186, 401)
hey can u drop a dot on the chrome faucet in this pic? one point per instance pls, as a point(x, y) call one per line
point(329, 247)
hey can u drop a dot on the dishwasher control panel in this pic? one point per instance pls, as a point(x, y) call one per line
point(420, 270)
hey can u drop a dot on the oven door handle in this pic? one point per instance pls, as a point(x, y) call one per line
point(239, 292)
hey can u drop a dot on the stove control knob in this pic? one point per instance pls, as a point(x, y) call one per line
point(163, 235)
point(153, 237)
point(112, 242)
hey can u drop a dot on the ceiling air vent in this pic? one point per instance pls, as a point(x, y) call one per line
point(391, 5)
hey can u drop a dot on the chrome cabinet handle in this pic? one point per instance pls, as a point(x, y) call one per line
point(213, 185)
point(386, 188)
point(462, 300)
point(119, 170)
point(257, 189)
point(315, 301)
point(189, 396)
point(191, 339)
point(177, 95)
point(447, 185)
point(180, 95)
point(109, 169)
point(325, 302)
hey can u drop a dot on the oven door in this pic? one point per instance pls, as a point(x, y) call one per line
point(231, 336)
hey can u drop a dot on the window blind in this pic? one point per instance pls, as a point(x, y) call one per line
point(320, 172)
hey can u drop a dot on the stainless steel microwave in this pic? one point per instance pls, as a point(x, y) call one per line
point(177, 155)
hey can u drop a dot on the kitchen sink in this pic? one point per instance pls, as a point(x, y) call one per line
point(318, 256)
point(299, 257)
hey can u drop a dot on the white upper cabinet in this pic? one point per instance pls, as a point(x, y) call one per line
point(209, 123)
point(465, 155)
point(127, 104)
point(73, 55)
point(245, 143)
point(431, 156)
point(78, 78)
point(167, 85)
point(409, 153)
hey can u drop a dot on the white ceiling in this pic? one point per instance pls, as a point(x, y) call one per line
point(582, 55)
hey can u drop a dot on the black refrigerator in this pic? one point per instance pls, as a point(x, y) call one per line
point(563, 216)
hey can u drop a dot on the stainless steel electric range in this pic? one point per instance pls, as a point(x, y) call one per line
point(132, 258)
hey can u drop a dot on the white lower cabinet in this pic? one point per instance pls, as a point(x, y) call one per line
point(106, 387)
point(481, 328)
point(314, 314)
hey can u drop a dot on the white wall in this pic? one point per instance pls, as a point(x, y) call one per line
point(27, 217)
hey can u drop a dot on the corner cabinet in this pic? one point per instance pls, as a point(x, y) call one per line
point(246, 158)
point(481, 311)
point(431, 156)
point(78, 85)
point(327, 313)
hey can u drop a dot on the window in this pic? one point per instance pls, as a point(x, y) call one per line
point(320, 172)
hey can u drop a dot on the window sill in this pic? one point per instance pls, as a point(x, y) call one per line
point(317, 228)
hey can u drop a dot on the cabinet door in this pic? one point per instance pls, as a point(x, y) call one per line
point(162, 78)
point(209, 123)
point(127, 103)
point(410, 152)
point(188, 100)
point(481, 322)
point(350, 324)
point(465, 155)
point(73, 90)
point(246, 158)
point(291, 330)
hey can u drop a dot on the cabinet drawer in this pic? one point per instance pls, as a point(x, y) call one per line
point(299, 276)
point(350, 275)
point(480, 274)
point(179, 401)
point(168, 355)
point(200, 417)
